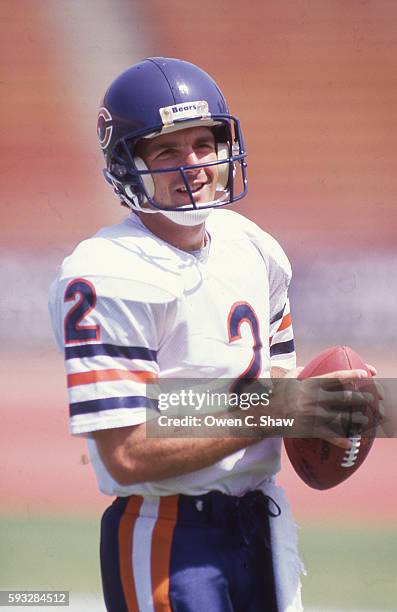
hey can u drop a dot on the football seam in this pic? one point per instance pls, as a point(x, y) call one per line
point(347, 357)
point(339, 346)
point(351, 454)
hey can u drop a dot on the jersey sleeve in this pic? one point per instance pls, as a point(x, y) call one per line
point(110, 347)
point(281, 336)
point(282, 348)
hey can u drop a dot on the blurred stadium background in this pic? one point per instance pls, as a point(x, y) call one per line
point(314, 83)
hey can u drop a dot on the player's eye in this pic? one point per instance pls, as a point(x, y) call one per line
point(164, 154)
point(206, 146)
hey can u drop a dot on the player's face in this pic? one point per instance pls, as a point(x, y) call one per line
point(190, 146)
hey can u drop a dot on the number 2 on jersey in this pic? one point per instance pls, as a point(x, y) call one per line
point(242, 312)
point(84, 291)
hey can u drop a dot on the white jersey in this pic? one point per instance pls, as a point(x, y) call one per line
point(128, 308)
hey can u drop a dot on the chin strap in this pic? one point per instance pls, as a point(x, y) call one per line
point(187, 218)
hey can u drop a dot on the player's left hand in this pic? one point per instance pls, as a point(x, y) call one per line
point(344, 442)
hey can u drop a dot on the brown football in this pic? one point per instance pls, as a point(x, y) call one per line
point(320, 464)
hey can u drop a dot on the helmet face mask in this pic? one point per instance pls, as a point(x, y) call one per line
point(134, 108)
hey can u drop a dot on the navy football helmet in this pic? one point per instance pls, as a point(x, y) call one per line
point(158, 96)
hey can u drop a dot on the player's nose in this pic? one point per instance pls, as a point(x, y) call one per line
point(190, 157)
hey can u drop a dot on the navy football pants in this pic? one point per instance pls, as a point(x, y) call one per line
point(209, 553)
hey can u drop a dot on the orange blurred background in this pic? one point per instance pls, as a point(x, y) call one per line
point(315, 86)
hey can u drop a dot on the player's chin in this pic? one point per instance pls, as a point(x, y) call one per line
point(205, 195)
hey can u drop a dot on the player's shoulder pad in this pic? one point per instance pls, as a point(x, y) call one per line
point(234, 226)
point(125, 260)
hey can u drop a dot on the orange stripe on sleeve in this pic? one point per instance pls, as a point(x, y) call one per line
point(93, 376)
point(161, 552)
point(286, 322)
point(126, 528)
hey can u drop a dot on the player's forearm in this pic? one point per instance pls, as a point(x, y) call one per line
point(131, 457)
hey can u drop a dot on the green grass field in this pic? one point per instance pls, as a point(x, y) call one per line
point(350, 568)
point(347, 568)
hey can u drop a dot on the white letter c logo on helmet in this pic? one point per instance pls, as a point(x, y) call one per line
point(104, 127)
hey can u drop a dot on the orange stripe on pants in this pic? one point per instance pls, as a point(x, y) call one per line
point(126, 527)
point(161, 552)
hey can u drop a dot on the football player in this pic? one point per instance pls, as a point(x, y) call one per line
point(180, 289)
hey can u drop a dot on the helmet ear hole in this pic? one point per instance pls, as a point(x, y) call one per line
point(223, 169)
point(146, 178)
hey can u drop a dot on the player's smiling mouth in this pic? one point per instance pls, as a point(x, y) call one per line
point(194, 189)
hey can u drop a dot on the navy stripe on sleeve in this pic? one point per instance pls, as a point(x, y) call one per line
point(282, 348)
point(129, 352)
point(111, 403)
point(277, 316)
